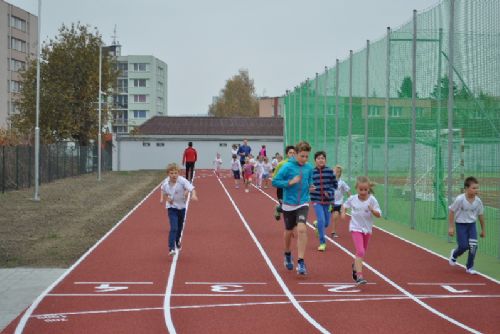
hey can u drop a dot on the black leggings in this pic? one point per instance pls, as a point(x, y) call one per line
point(189, 167)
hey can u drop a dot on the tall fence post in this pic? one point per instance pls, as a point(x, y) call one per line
point(367, 92)
point(307, 110)
point(325, 103)
point(451, 58)
point(386, 122)
point(413, 122)
point(316, 102)
point(300, 112)
point(349, 136)
point(17, 167)
point(3, 169)
point(337, 111)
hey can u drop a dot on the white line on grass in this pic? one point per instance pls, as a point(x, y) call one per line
point(34, 305)
point(170, 282)
point(278, 278)
point(395, 285)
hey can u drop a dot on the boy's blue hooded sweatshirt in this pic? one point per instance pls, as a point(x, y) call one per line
point(298, 193)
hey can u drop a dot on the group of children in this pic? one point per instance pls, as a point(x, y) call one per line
point(298, 184)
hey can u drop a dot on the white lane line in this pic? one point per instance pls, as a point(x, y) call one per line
point(130, 283)
point(357, 299)
point(170, 282)
point(226, 283)
point(446, 283)
point(432, 252)
point(24, 319)
point(395, 285)
point(269, 263)
point(246, 295)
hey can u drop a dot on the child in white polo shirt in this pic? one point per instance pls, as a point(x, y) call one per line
point(464, 212)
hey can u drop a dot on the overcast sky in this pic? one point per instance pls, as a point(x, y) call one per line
point(205, 42)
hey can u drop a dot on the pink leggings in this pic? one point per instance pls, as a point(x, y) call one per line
point(360, 242)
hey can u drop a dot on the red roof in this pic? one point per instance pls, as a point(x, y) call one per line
point(245, 126)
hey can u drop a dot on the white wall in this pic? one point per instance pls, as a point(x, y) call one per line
point(129, 153)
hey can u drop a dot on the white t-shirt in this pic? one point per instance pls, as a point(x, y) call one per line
point(268, 168)
point(342, 189)
point(465, 211)
point(259, 167)
point(235, 165)
point(361, 217)
point(176, 192)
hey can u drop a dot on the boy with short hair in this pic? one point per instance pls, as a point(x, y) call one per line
point(463, 214)
point(295, 177)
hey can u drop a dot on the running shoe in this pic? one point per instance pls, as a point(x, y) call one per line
point(301, 268)
point(277, 214)
point(361, 281)
point(471, 271)
point(452, 261)
point(334, 235)
point(315, 224)
point(322, 247)
point(288, 262)
point(172, 252)
point(178, 245)
point(354, 274)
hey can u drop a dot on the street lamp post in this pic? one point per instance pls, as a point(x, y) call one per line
point(36, 196)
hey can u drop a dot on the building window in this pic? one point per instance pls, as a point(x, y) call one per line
point(396, 111)
point(139, 82)
point(121, 101)
point(14, 108)
point(139, 113)
point(419, 112)
point(374, 111)
point(16, 22)
point(16, 65)
point(17, 44)
point(123, 69)
point(159, 103)
point(146, 144)
point(140, 98)
point(159, 87)
point(15, 86)
point(160, 144)
point(122, 86)
point(140, 67)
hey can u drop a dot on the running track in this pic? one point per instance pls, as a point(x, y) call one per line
point(229, 278)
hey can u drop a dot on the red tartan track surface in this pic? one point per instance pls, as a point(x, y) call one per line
point(229, 278)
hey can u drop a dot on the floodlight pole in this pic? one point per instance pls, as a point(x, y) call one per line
point(36, 196)
point(99, 122)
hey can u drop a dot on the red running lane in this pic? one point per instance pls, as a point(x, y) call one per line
point(331, 270)
point(118, 287)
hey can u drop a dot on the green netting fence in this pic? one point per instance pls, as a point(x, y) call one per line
point(417, 111)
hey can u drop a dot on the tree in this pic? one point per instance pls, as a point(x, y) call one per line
point(236, 99)
point(405, 91)
point(69, 75)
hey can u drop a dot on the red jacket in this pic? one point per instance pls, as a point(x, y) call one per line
point(189, 155)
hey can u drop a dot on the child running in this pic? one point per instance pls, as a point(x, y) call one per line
point(236, 168)
point(290, 152)
point(217, 164)
point(259, 171)
point(464, 212)
point(268, 167)
point(322, 197)
point(176, 189)
point(363, 207)
point(342, 188)
point(247, 174)
point(295, 177)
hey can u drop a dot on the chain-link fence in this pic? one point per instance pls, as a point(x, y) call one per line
point(57, 161)
point(390, 112)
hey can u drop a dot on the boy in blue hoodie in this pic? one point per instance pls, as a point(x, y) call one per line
point(295, 177)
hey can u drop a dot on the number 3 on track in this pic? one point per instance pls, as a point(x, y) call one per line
point(341, 288)
point(227, 288)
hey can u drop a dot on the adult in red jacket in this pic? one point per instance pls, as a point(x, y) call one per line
point(188, 159)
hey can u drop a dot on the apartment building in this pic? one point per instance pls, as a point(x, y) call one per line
point(141, 92)
point(18, 43)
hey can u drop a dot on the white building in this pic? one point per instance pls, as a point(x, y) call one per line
point(18, 43)
point(141, 92)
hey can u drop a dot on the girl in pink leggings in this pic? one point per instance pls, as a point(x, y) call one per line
point(363, 207)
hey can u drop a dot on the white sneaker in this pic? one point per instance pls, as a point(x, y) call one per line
point(172, 252)
point(452, 261)
point(471, 271)
point(246, 190)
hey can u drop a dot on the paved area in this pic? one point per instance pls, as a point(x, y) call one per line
point(19, 287)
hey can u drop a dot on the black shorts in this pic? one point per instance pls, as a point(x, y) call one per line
point(236, 174)
point(292, 218)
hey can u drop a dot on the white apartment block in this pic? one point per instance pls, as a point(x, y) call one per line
point(18, 43)
point(141, 92)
